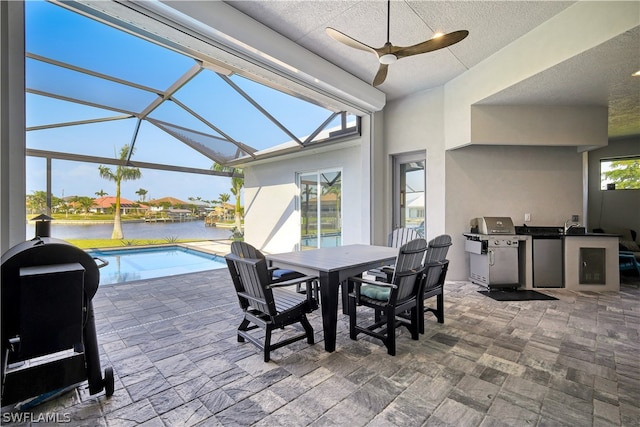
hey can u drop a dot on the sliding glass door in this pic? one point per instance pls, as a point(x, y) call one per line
point(320, 209)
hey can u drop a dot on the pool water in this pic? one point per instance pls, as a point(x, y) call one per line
point(126, 265)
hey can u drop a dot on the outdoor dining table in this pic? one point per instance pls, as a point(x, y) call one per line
point(333, 265)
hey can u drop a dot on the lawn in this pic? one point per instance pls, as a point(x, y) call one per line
point(111, 243)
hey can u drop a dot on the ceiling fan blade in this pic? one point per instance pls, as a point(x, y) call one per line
point(432, 44)
point(381, 75)
point(345, 39)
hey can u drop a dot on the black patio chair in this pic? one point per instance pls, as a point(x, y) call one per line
point(434, 277)
point(395, 239)
point(388, 300)
point(277, 275)
point(268, 305)
point(437, 266)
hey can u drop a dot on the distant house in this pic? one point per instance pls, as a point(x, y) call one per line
point(167, 203)
point(176, 207)
point(329, 204)
point(107, 203)
point(222, 211)
point(416, 205)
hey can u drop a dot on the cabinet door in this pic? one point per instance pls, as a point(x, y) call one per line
point(503, 268)
point(592, 266)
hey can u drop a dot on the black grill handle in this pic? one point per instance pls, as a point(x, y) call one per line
point(104, 263)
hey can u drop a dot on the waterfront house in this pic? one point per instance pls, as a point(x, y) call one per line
point(107, 204)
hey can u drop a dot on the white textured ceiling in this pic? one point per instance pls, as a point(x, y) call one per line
point(597, 77)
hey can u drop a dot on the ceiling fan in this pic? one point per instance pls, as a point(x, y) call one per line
point(388, 54)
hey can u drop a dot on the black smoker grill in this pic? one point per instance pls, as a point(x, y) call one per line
point(49, 338)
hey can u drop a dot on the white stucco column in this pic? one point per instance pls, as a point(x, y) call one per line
point(12, 125)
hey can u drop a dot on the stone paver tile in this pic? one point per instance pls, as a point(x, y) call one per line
point(606, 411)
point(566, 408)
point(189, 414)
point(133, 414)
point(455, 414)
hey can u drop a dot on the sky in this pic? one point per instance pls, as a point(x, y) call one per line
point(54, 32)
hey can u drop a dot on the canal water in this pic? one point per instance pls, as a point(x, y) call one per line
point(136, 230)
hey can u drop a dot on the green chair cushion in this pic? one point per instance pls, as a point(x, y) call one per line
point(380, 293)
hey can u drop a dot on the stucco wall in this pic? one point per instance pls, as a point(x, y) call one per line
point(545, 182)
point(272, 223)
point(487, 180)
point(578, 28)
point(415, 124)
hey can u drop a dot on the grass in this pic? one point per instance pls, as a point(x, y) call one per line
point(114, 243)
point(90, 217)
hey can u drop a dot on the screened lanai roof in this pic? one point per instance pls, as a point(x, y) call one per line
point(92, 88)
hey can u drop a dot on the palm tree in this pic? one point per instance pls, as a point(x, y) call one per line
point(337, 190)
point(236, 187)
point(122, 173)
point(237, 183)
point(142, 194)
point(101, 193)
point(306, 193)
point(223, 199)
point(83, 202)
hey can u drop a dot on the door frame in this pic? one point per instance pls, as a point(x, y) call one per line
point(396, 193)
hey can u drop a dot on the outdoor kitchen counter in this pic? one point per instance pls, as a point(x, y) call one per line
point(590, 262)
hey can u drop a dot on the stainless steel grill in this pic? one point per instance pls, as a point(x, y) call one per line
point(493, 252)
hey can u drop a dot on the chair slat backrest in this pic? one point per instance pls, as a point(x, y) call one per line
point(437, 252)
point(438, 248)
point(251, 278)
point(408, 268)
point(400, 236)
point(245, 250)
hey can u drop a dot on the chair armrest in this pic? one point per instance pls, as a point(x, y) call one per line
point(360, 280)
point(293, 281)
point(307, 280)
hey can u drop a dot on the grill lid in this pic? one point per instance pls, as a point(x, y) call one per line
point(492, 225)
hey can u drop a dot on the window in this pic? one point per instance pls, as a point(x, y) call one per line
point(320, 209)
point(620, 173)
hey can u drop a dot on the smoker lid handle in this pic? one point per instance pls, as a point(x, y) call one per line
point(104, 263)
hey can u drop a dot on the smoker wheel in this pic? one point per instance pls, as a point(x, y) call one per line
point(108, 382)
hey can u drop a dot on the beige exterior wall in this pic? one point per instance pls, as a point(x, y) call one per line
point(272, 220)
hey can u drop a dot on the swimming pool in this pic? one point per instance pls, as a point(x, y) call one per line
point(130, 264)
